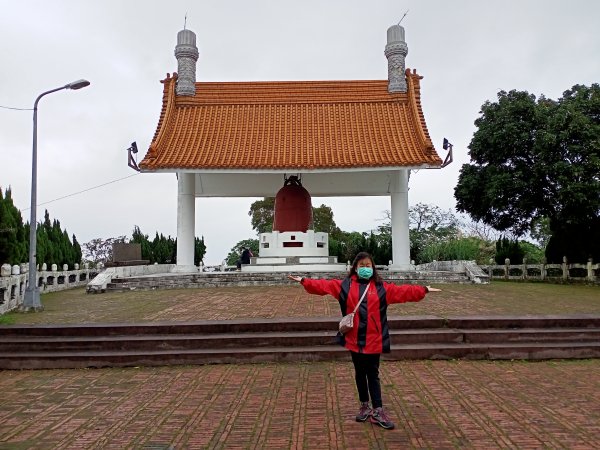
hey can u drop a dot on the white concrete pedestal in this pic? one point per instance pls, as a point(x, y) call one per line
point(402, 268)
point(184, 269)
point(294, 268)
point(294, 251)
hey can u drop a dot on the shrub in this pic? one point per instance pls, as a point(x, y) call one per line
point(469, 249)
point(510, 249)
point(533, 253)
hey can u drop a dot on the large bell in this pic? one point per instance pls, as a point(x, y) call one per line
point(293, 208)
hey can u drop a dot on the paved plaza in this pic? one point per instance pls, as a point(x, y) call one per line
point(225, 303)
point(435, 404)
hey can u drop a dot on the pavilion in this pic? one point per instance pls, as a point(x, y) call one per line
point(343, 138)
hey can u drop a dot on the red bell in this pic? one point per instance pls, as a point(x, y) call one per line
point(293, 208)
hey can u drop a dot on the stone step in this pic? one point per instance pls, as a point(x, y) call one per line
point(525, 335)
point(296, 324)
point(208, 341)
point(254, 340)
point(56, 360)
point(508, 350)
point(524, 321)
point(284, 339)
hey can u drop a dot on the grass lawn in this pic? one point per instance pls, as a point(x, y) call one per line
point(497, 298)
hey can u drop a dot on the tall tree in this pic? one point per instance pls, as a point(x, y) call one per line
point(199, 250)
point(53, 243)
point(77, 251)
point(162, 249)
point(533, 159)
point(98, 251)
point(429, 225)
point(137, 237)
point(261, 213)
point(323, 220)
point(13, 241)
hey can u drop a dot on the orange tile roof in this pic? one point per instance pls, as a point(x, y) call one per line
point(291, 125)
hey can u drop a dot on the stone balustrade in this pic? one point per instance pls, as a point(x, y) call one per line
point(14, 279)
point(564, 272)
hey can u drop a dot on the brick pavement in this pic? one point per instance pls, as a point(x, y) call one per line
point(74, 306)
point(435, 404)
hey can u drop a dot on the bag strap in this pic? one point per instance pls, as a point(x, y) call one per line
point(361, 298)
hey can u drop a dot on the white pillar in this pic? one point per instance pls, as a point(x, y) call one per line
point(186, 215)
point(400, 237)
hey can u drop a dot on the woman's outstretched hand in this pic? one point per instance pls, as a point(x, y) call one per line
point(430, 289)
point(295, 278)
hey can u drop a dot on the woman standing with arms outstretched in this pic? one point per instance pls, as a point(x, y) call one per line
point(369, 337)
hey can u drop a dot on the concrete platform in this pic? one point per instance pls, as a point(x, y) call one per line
point(262, 278)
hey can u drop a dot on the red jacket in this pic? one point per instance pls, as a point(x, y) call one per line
point(370, 333)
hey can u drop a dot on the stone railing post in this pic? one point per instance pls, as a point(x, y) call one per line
point(524, 269)
point(565, 268)
point(543, 269)
point(590, 271)
point(5, 270)
point(506, 268)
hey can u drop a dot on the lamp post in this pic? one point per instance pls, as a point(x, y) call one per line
point(32, 292)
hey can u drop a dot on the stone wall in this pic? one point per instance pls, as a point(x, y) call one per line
point(14, 279)
point(99, 283)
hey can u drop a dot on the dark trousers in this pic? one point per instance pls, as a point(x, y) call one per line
point(366, 370)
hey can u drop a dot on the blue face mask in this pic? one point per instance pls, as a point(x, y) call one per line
point(365, 272)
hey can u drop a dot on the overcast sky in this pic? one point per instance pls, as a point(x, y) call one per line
point(466, 50)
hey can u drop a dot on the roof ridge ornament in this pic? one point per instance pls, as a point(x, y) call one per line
point(186, 53)
point(395, 52)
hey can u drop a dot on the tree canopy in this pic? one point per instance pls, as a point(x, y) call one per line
point(534, 160)
point(163, 250)
point(428, 225)
point(323, 220)
point(14, 244)
point(262, 213)
point(53, 243)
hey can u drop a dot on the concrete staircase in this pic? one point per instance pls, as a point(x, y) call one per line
point(262, 340)
point(223, 279)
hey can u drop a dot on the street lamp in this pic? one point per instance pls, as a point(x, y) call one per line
point(32, 292)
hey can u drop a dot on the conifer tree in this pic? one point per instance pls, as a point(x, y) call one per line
point(13, 243)
point(77, 254)
point(199, 250)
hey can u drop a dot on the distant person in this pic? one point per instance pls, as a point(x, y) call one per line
point(369, 336)
point(246, 254)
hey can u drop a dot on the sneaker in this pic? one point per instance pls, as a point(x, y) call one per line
point(364, 413)
point(379, 417)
